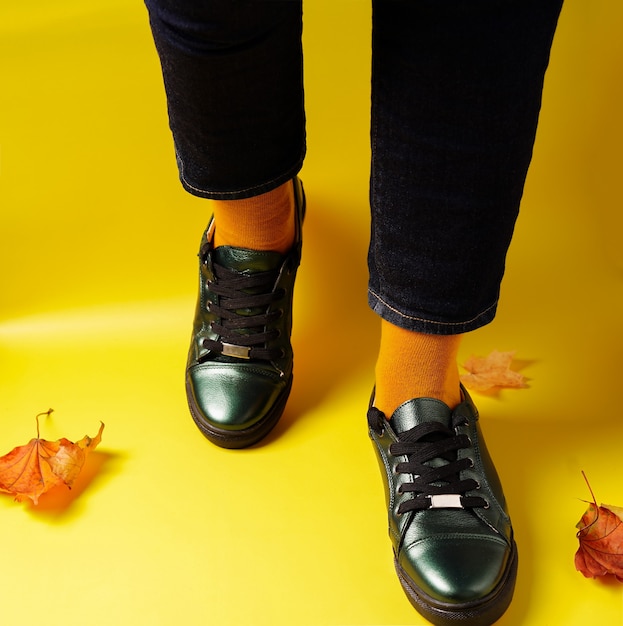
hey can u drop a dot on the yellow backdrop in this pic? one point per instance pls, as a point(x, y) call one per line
point(98, 279)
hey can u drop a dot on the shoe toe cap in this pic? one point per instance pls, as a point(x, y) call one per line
point(457, 569)
point(233, 398)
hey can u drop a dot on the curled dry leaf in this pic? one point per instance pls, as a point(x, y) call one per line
point(601, 540)
point(33, 469)
point(492, 371)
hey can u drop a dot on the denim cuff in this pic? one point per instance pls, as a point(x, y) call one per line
point(423, 323)
point(197, 188)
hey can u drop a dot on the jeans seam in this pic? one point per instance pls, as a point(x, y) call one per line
point(193, 188)
point(429, 321)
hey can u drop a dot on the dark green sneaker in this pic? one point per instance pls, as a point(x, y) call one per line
point(453, 543)
point(239, 370)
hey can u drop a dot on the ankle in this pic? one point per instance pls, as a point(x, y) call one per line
point(416, 365)
point(264, 222)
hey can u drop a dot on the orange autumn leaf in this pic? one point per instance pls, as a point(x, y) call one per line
point(601, 541)
point(33, 469)
point(492, 371)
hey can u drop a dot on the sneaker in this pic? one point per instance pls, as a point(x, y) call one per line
point(453, 544)
point(239, 370)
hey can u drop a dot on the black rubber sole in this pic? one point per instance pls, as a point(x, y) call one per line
point(236, 439)
point(482, 613)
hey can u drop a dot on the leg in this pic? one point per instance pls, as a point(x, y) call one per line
point(456, 96)
point(233, 76)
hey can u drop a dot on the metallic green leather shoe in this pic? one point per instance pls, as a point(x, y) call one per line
point(453, 543)
point(239, 370)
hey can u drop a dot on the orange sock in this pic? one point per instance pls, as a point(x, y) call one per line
point(264, 222)
point(415, 365)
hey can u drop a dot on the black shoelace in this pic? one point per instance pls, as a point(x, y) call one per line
point(243, 314)
point(431, 449)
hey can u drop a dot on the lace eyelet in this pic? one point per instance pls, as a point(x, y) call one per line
point(378, 430)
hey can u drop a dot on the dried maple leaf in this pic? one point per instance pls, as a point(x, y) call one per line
point(601, 540)
point(33, 469)
point(494, 370)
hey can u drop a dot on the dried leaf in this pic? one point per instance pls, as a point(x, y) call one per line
point(33, 469)
point(601, 541)
point(486, 373)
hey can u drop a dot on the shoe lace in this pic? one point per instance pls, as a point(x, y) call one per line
point(243, 316)
point(431, 449)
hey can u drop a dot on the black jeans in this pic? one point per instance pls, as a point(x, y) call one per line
point(456, 93)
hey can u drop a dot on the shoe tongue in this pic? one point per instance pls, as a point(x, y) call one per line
point(420, 410)
point(248, 261)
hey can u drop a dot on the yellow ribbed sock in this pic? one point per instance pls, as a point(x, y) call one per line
point(264, 222)
point(415, 365)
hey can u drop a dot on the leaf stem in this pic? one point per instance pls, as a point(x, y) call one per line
point(48, 413)
point(589, 488)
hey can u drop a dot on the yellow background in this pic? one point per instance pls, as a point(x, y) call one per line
point(98, 278)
